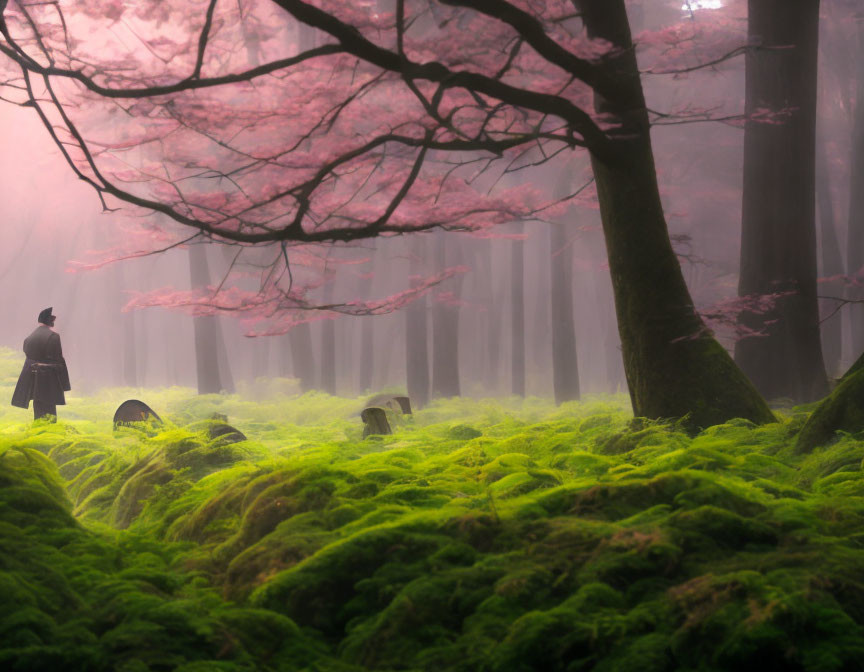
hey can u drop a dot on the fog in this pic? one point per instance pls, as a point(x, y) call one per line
point(52, 223)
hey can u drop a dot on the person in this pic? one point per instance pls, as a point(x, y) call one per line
point(44, 378)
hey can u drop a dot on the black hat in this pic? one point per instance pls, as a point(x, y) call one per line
point(45, 317)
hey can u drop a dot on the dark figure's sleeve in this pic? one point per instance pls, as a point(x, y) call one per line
point(55, 356)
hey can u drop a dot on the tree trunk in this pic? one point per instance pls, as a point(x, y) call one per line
point(302, 356)
point(490, 331)
point(517, 314)
point(778, 239)
point(367, 333)
point(445, 325)
point(206, 343)
point(565, 365)
point(328, 346)
point(855, 235)
point(416, 347)
point(832, 265)
point(674, 367)
point(129, 351)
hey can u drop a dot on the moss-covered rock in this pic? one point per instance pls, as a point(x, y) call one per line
point(842, 410)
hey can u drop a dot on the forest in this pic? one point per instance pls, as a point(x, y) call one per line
point(431, 335)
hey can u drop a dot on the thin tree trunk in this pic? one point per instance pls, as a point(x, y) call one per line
point(445, 326)
point(832, 265)
point(328, 346)
point(517, 314)
point(416, 346)
point(778, 239)
point(302, 355)
point(367, 333)
point(129, 350)
point(565, 365)
point(491, 332)
point(674, 367)
point(206, 344)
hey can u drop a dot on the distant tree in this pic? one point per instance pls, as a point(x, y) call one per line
point(565, 363)
point(517, 314)
point(212, 378)
point(446, 381)
point(416, 331)
point(384, 128)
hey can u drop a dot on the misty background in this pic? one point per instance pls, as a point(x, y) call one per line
point(51, 220)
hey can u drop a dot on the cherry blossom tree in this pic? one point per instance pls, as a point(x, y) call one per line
point(281, 126)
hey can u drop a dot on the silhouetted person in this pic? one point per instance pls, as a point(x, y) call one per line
point(44, 377)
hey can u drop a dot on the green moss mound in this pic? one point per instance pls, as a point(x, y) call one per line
point(482, 535)
point(841, 411)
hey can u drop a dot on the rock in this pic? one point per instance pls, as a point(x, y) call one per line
point(225, 433)
point(404, 404)
point(133, 410)
point(375, 419)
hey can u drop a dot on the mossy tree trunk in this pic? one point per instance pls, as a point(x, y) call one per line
point(674, 366)
point(778, 239)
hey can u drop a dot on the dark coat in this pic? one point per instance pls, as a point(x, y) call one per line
point(44, 376)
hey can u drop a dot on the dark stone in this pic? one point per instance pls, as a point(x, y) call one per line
point(375, 419)
point(225, 433)
point(404, 404)
point(133, 410)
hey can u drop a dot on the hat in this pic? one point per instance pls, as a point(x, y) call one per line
point(45, 317)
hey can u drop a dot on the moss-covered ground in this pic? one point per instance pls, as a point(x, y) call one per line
point(501, 536)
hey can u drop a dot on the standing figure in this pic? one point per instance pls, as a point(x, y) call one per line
point(44, 377)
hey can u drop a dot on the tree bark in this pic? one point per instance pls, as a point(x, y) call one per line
point(565, 365)
point(445, 326)
point(416, 347)
point(778, 239)
point(517, 314)
point(855, 235)
point(832, 265)
point(674, 366)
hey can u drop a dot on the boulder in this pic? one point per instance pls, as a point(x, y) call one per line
point(375, 420)
point(133, 410)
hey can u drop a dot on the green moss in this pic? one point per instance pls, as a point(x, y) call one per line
point(842, 410)
point(482, 535)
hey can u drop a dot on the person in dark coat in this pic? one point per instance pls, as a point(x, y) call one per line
point(44, 378)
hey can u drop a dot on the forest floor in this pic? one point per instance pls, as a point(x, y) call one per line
point(495, 535)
